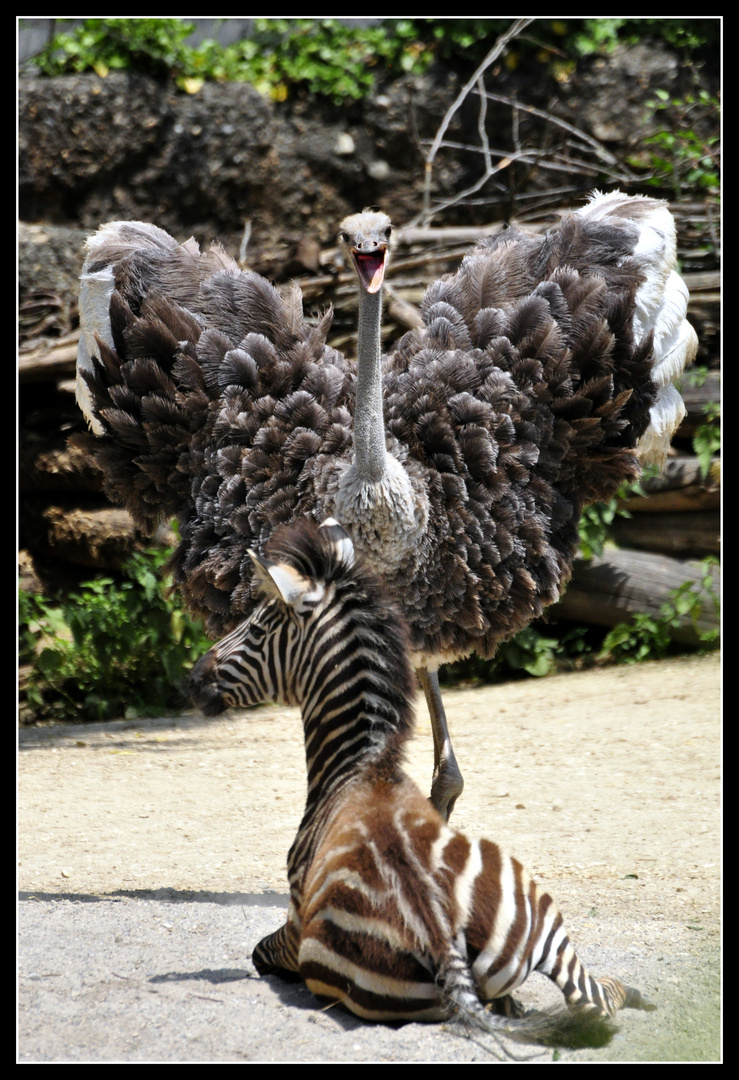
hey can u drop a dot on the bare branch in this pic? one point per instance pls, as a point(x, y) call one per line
point(501, 44)
point(595, 146)
point(490, 171)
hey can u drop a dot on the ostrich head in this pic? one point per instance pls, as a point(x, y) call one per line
point(366, 239)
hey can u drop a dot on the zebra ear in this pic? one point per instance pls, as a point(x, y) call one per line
point(341, 540)
point(279, 581)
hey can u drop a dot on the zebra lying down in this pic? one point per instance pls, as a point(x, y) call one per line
point(391, 911)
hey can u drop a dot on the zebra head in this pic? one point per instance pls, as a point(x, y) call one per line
point(261, 659)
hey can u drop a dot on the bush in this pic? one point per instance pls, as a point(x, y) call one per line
point(341, 61)
point(321, 56)
point(114, 648)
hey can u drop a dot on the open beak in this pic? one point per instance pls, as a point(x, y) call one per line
point(370, 267)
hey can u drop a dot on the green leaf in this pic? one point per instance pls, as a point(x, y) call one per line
point(114, 645)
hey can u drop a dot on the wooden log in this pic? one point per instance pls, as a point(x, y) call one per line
point(402, 312)
point(444, 235)
point(55, 359)
point(680, 487)
point(704, 288)
point(680, 471)
point(611, 589)
point(50, 465)
point(99, 538)
point(28, 577)
point(697, 399)
point(678, 533)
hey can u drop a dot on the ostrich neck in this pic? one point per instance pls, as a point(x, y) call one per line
point(369, 424)
point(374, 498)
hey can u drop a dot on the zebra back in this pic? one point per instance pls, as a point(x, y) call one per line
point(405, 918)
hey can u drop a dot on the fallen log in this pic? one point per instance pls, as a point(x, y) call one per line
point(681, 486)
point(678, 533)
point(611, 589)
point(54, 359)
point(52, 466)
point(698, 400)
point(98, 538)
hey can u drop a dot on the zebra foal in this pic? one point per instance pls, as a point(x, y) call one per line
point(391, 911)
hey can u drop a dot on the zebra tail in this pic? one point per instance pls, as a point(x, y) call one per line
point(572, 1029)
point(558, 1026)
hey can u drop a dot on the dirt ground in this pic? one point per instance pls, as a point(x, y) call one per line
point(151, 860)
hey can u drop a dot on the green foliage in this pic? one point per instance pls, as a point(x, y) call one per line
point(114, 648)
point(337, 60)
point(603, 35)
point(644, 638)
point(686, 153)
point(648, 637)
point(598, 35)
point(597, 518)
point(594, 525)
point(687, 35)
point(156, 46)
point(321, 56)
point(707, 437)
point(555, 40)
point(530, 652)
point(453, 39)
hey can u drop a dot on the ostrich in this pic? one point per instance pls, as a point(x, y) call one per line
point(459, 462)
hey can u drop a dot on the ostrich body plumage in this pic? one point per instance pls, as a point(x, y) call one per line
point(459, 462)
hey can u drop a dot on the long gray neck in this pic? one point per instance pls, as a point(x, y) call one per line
point(369, 425)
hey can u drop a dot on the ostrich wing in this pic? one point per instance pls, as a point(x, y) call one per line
point(542, 370)
point(210, 398)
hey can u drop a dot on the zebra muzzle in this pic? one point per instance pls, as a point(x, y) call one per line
point(204, 687)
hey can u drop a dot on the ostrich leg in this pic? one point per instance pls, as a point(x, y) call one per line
point(447, 783)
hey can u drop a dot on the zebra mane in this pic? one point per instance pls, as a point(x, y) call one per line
point(310, 550)
point(376, 618)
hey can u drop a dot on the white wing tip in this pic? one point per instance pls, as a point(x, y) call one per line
point(131, 228)
point(665, 417)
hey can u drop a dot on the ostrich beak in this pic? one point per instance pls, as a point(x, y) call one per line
point(370, 267)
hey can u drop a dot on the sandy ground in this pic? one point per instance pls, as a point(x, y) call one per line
point(151, 860)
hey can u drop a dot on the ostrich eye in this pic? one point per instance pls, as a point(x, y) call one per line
point(345, 237)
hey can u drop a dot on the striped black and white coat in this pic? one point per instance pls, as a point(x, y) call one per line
point(392, 912)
